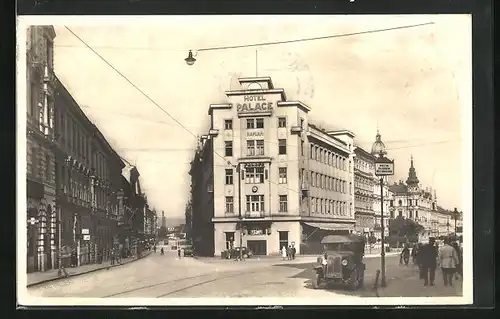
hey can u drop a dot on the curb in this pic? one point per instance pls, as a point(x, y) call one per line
point(85, 272)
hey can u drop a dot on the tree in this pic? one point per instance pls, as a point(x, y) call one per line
point(402, 229)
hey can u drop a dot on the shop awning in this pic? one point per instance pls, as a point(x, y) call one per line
point(330, 226)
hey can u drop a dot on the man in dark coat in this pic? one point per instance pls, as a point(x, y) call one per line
point(428, 259)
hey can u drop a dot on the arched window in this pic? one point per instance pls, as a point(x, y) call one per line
point(400, 203)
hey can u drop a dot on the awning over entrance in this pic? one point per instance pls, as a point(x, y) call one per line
point(330, 226)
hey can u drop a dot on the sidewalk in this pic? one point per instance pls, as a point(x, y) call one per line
point(408, 284)
point(37, 278)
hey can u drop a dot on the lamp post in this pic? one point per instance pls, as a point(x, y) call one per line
point(240, 216)
point(455, 211)
point(383, 167)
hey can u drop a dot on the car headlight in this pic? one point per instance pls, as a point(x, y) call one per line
point(344, 262)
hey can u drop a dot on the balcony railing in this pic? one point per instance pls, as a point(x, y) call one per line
point(255, 214)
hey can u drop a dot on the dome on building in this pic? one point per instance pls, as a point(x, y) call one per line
point(378, 147)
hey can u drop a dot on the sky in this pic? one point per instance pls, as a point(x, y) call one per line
point(412, 84)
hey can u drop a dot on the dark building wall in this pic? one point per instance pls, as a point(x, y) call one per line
point(202, 197)
point(88, 180)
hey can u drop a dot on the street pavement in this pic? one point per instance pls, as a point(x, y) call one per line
point(170, 277)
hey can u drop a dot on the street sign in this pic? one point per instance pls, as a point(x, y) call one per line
point(85, 231)
point(384, 167)
point(86, 237)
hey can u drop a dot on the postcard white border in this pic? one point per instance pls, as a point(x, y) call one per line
point(24, 299)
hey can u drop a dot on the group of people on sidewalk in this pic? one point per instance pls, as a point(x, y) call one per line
point(288, 252)
point(428, 257)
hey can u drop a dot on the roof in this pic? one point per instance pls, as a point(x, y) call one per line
point(337, 239)
point(398, 188)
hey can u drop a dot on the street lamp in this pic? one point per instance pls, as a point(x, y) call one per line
point(383, 167)
point(455, 214)
point(190, 60)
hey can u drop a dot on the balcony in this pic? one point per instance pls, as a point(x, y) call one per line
point(296, 129)
point(255, 215)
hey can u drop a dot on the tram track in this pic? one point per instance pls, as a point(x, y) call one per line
point(180, 280)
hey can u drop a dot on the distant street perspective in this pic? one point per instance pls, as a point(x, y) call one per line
point(160, 169)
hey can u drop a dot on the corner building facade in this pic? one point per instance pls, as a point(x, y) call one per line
point(277, 179)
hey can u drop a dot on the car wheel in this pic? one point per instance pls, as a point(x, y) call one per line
point(245, 256)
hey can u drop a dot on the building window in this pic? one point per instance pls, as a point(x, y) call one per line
point(317, 204)
point(255, 123)
point(282, 175)
point(350, 188)
point(400, 213)
point(400, 203)
point(229, 205)
point(48, 166)
point(254, 175)
point(311, 151)
point(259, 123)
point(283, 203)
point(282, 147)
point(255, 203)
point(229, 177)
point(34, 162)
point(411, 214)
point(228, 148)
point(34, 100)
point(49, 48)
point(228, 124)
point(281, 121)
point(302, 148)
point(255, 147)
point(391, 203)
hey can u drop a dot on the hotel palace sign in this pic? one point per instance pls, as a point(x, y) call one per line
point(254, 104)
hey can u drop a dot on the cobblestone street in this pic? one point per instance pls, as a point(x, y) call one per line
point(169, 277)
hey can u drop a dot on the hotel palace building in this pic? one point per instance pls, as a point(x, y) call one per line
point(269, 175)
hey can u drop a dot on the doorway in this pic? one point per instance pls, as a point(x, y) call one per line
point(258, 247)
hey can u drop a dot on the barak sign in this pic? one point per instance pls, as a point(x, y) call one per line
point(384, 167)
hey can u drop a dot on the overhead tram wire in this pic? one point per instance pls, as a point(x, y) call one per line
point(315, 38)
point(262, 43)
point(233, 47)
point(147, 96)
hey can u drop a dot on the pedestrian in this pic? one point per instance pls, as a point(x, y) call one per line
point(448, 260)
point(405, 255)
point(289, 252)
point(179, 252)
point(458, 271)
point(161, 251)
point(294, 250)
point(428, 259)
point(284, 253)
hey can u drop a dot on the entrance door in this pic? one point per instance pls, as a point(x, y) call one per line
point(258, 247)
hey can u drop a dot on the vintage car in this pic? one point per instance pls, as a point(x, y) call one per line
point(341, 262)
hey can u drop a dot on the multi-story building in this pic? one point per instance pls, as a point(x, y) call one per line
point(364, 182)
point(133, 206)
point(42, 237)
point(88, 174)
point(411, 201)
point(202, 199)
point(278, 180)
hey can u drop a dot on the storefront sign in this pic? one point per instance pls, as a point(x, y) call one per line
point(254, 104)
point(256, 232)
point(255, 133)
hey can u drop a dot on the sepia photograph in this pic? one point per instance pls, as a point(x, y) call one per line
point(244, 160)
